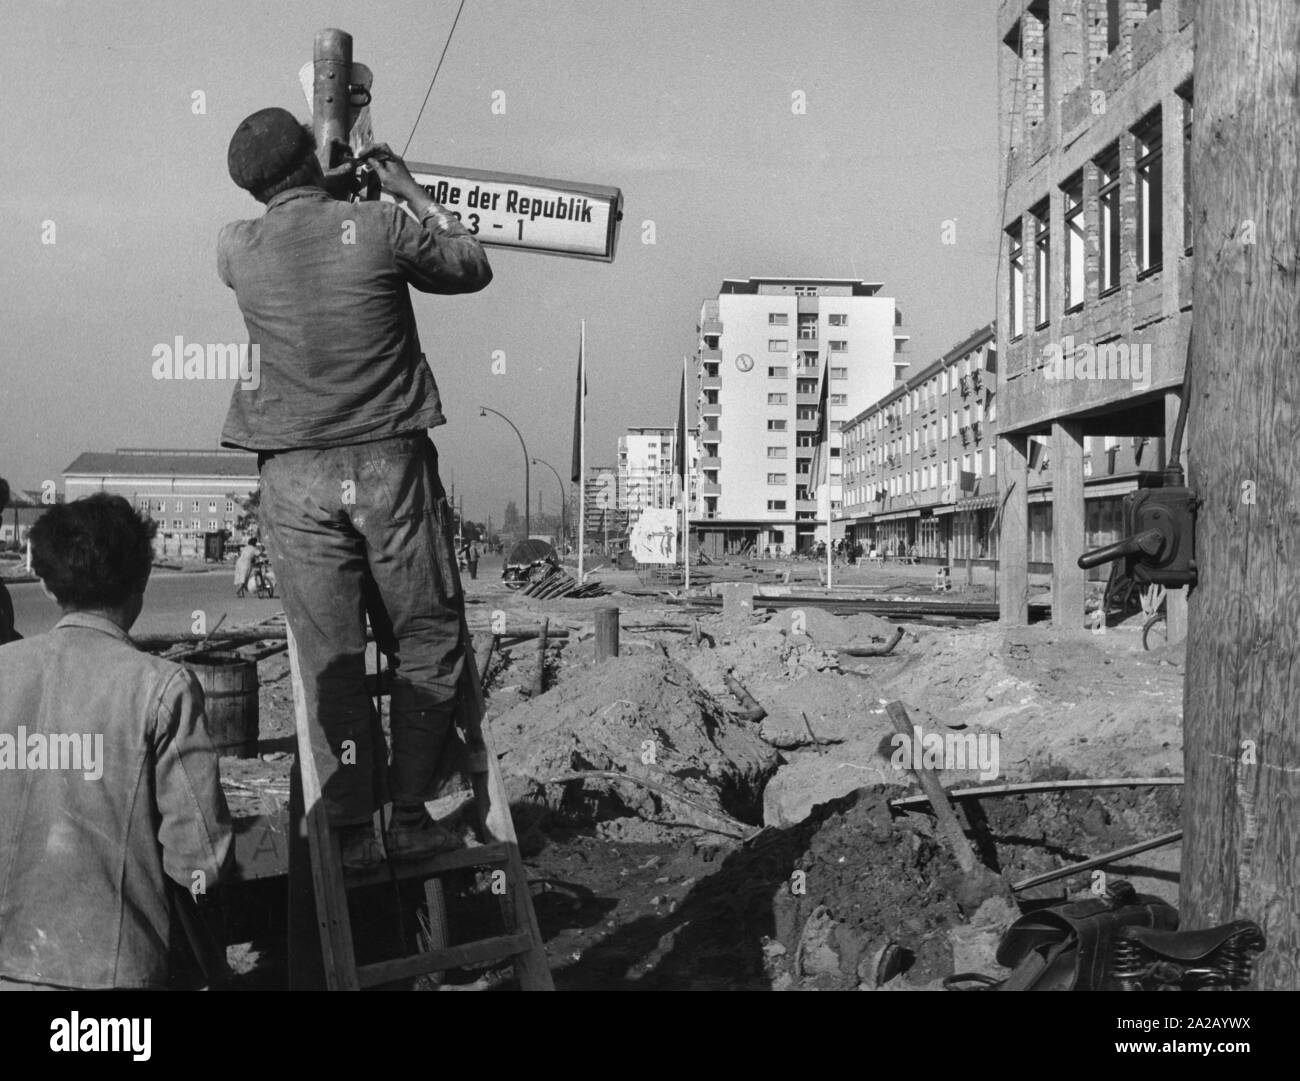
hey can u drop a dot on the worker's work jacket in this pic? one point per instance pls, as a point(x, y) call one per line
point(108, 787)
point(323, 287)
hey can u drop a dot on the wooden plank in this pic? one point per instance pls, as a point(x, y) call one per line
point(491, 855)
point(337, 951)
point(943, 812)
point(531, 968)
point(306, 970)
point(471, 953)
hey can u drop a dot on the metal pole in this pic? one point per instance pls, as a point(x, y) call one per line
point(564, 529)
point(686, 478)
point(331, 73)
point(582, 445)
point(482, 410)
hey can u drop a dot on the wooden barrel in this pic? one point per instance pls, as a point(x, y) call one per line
point(229, 683)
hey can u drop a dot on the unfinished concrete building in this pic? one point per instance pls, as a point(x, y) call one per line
point(1094, 282)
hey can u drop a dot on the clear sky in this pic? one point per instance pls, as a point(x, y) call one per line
point(684, 104)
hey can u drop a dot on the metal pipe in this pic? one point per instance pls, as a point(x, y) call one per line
point(483, 410)
point(331, 108)
point(1148, 542)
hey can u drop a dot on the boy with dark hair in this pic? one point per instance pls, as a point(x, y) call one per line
point(108, 779)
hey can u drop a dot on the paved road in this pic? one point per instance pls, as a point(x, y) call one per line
point(172, 598)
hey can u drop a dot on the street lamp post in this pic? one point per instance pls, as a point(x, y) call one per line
point(483, 411)
point(564, 527)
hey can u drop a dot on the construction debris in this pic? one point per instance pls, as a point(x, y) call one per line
point(558, 584)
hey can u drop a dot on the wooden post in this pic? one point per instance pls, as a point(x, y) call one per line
point(1175, 597)
point(929, 782)
point(539, 678)
point(606, 633)
point(1241, 809)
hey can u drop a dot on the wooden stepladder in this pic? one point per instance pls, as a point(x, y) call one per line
point(498, 850)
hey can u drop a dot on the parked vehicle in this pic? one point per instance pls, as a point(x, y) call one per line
point(528, 561)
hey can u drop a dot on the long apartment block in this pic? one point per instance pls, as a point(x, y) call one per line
point(1095, 283)
point(764, 344)
point(920, 464)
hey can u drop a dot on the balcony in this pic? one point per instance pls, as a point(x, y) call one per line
point(710, 461)
point(711, 382)
point(808, 342)
point(710, 488)
point(978, 429)
point(977, 380)
point(805, 506)
point(809, 425)
point(807, 305)
point(965, 435)
point(805, 399)
point(965, 386)
point(708, 353)
point(710, 409)
point(712, 328)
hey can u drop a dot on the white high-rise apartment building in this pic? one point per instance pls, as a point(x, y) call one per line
point(763, 345)
point(645, 468)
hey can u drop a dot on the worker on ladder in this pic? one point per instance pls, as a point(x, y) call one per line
point(352, 508)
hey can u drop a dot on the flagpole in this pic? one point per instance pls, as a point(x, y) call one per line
point(829, 500)
point(686, 476)
point(582, 445)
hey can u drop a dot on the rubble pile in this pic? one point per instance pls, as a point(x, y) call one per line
point(642, 715)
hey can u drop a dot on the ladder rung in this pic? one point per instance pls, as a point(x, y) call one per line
point(478, 856)
point(419, 964)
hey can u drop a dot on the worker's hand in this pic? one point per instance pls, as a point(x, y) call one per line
point(338, 180)
point(394, 177)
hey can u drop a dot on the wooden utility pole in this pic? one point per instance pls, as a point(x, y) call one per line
point(1241, 813)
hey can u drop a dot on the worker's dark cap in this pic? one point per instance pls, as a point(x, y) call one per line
point(266, 148)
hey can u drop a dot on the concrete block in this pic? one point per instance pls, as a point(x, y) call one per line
point(737, 599)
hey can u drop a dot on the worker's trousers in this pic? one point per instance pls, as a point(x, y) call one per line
point(357, 530)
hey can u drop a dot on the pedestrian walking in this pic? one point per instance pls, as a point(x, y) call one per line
point(244, 566)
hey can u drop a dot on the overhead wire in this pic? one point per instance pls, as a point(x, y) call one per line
point(441, 58)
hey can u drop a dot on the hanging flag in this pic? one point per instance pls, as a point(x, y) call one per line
point(821, 441)
point(579, 416)
point(679, 465)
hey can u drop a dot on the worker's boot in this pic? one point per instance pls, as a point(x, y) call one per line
point(412, 835)
point(359, 848)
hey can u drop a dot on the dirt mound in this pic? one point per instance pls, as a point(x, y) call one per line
point(811, 905)
point(1096, 704)
point(643, 715)
point(834, 632)
point(1036, 832)
point(826, 903)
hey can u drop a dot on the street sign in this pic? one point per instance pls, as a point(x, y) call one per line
point(528, 213)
